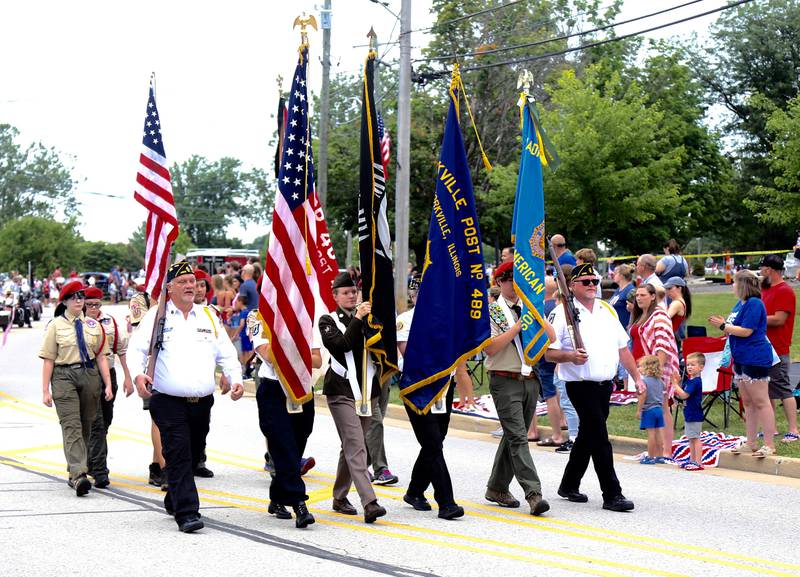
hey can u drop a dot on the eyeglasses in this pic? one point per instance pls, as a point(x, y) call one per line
point(588, 281)
point(76, 297)
point(93, 305)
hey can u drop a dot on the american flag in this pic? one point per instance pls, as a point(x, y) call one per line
point(386, 146)
point(154, 191)
point(300, 263)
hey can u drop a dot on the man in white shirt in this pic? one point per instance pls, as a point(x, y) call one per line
point(646, 269)
point(588, 372)
point(182, 390)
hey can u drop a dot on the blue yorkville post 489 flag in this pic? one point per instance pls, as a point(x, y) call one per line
point(527, 231)
point(374, 240)
point(451, 318)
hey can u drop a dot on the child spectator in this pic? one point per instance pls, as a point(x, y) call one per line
point(692, 392)
point(650, 411)
point(236, 323)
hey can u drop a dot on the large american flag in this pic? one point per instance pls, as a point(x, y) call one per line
point(154, 191)
point(300, 263)
point(386, 146)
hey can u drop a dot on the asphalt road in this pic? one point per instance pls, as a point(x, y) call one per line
point(713, 523)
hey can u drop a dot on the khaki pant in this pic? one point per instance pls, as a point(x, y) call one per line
point(352, 467)
point(515, 402)
point(76, 394)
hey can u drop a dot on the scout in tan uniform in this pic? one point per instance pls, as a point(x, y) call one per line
point(117, 340)
point(74, 353)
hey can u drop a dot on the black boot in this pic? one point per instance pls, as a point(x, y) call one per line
point(155, 474)
point(302, 517)
point(278, 510)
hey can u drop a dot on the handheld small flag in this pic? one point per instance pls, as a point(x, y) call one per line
point(528, 233)
point(451, 318)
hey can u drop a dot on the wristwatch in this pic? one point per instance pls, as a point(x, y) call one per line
point(722, 327)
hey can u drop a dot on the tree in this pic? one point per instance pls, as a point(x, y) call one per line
point(182, 245)
point(44, 243)
point(102, 256)
point(209, 195)
point(33, 180)
point(618, 176)
point(780, 204)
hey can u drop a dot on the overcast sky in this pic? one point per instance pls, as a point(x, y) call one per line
point(74, 75)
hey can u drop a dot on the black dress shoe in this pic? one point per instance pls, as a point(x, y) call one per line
point(278, 510)
point(302, 518)
point(450, 512)
point(344, 507)
point(82, 485)
point(419, 503)
point(619, 504)
point(574, 495)
point(372, 511)
point(204, 472)
point(191, 525)
point(101, 482)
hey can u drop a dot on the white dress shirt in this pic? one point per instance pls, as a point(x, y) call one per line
point(603, 337)
point(193, 347)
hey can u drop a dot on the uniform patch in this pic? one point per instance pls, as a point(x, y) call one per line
point(105, 321)
point(204, 331)
point(399, 325)
point(90, 323)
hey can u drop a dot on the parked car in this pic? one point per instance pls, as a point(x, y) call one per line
point(100, 280)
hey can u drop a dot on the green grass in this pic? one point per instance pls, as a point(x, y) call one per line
point(706, 304)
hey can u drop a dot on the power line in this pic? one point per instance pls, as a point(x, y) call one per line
point(466, 16)
point(433, 75)
point(558, 38)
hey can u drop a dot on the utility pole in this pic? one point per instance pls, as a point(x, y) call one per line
point(324, 117)
point(401, 208)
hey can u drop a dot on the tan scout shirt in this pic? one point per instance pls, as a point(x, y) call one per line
point(506, 359)
point(61, 343)
point(116, 336)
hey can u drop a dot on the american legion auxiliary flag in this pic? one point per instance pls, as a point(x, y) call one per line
point(154, 191)
point(451, 319)
point(300, 263)
point(374, 240)
point(527, 231)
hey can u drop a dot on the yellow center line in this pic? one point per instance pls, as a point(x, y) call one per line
point(604, 535)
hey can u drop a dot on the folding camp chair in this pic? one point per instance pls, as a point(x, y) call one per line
point(717, 379)
point(475, 369)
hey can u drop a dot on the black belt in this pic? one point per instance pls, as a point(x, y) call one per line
point(187, 399)
point(76, 366)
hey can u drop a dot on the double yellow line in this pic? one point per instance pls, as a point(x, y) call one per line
point(438, 538)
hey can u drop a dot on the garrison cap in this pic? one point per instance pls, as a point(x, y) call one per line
point(343, 279)
point(179, 268)
point(585, 269)
point(70, 289)
point(93, 293)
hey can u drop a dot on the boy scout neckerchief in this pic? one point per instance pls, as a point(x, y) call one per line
point(86, 361)
point(525, 369)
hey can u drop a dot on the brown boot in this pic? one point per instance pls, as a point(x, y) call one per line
point(372, 511)
point(502, 498)
point(538, 505)
point(344, 507)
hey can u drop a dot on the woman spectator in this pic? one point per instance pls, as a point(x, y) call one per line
point(673, 264)
point(623, 276)
point(223, 294)
point(680, 306)
point(746, 328)
point(652, 327)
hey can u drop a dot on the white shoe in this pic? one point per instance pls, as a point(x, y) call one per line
point(498, 433)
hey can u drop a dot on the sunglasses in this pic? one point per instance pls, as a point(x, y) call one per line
point(588, 281)
point(561, 245)
point(76, 297)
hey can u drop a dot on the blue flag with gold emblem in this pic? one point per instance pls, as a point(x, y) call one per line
point(451, 319)
point(527, 232)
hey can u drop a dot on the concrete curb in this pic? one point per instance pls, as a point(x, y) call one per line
point(779, 466)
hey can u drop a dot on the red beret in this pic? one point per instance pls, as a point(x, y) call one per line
point(93, 292)
point(70, 288)
point(504, 269)
point(200, 274)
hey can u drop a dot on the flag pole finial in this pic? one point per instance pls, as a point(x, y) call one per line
point(373, 40)
point(279, 82)
point(304, 21)
point(524, 81)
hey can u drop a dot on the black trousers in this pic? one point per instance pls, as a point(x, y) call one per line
point(183, 425)
point(590, 400)
point(287, 435)
point(430, 467)
point(98, 447)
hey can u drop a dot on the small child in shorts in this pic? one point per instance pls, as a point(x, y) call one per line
point(236, 322)
point(650, 411)
point(692, 393)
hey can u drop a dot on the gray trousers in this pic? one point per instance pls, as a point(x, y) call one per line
point(376, 452)
point(76, 395)
point(352, 468)
point(98, 445)
point(516, 404)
